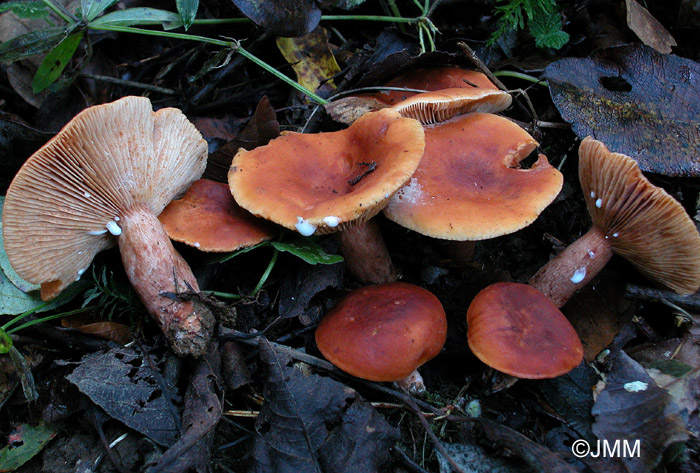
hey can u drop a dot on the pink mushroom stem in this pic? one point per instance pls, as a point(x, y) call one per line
point(366, 254)
point(155, 269)
point(574, 267)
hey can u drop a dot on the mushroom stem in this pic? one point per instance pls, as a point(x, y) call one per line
point(157, 271)
point(412, 384)
point(366, 254)
point(574, 267)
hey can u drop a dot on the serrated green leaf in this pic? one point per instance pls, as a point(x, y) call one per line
point(31, 439)
point(29, 44)
point(53, 64)
point(188, 11)
point(92, 8)
point(309, 251)
point(546, 29)
point(140, 16)
point(32, 10)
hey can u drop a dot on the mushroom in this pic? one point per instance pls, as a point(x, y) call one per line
point(469, 185)
point(101, 181)
point(329, 182)
point(517, 330)
point(384, 333)
point(208, 218)
point(631, 218)
point(435, 107)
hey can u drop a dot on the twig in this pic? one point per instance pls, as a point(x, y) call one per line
point(129, 83)
point(469, 52)
point(691, 301)
point(408, 461)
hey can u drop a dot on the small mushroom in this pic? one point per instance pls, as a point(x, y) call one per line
point(517, 330)
point(469, 185)
point(631, 218)
point(208, 218)
point(329, 182)
point(441, 105)
point(102, 181)
point(384, 333)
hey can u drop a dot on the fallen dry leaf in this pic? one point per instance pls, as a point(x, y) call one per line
point(648, 29)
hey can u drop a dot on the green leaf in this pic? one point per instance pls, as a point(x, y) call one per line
point(308, 250)
point(140, 16)
point(546, 29)
point(30, 440)
point(25, 375)
point(33, 10)
point(5, 342)
point(227, 256)
point(29, 44)
point(92, 8)
point(53, 64)
point(188, 11)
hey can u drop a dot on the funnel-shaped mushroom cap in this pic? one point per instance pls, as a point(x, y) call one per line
point(469, 186)
point(642, 222)
point(67, 196)
point(517, 330)
point(208, 218)
point(433, 78)
point(441, 105)
point(383, 332)
point(326, 181)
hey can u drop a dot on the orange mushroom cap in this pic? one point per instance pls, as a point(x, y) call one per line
point(469, 186)
point(517, 330)
point(208, 218)
point(324, 182)
point(383, 332)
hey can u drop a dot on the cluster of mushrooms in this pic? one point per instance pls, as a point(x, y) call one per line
point(430, 162)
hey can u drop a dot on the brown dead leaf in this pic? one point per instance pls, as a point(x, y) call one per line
point(312, 60)
point(349, 109)
point(648, 29)
point(105, 329)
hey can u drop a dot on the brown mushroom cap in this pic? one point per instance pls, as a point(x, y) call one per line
point(208, 218)
point(107, 159)
point(323, 182)
point(430, 79)
point(468, 185)
point(441, 105)
point(383, 332)
point(642, 222)
point(517, 330)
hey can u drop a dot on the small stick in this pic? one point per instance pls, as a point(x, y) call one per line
point(691, 301)
point(128, 83)
point(469, 52)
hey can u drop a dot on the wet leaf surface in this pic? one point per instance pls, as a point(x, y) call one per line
point(633, 407)
point(474, 459)
point(282, 17)
point(635, 100)
point(296, 293)
point(24, 442)
point(648, 29)
point(120, 382)
point(311, 58)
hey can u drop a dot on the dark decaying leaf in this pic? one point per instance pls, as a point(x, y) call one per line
point(633, 407)
point(360, 443)
point(635, 100)
point(202, 411)
point(234, 370)
point(536, 456)
point(29, 44)
point(474, 459)
point(571, 395)
point(349, 109)
point(296, 292)
point(310, 423)
point(261, 128)
point(282, 17)
point(120, 382)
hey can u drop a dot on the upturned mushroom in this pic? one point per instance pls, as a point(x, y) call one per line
point(631, 218)
point(384, 333)
point(330, 182)
point(517, 330)
point(102, 180)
